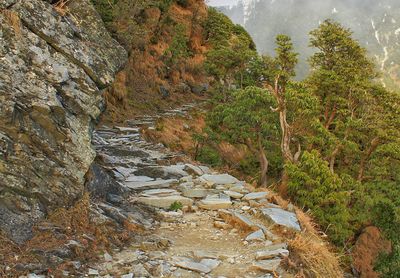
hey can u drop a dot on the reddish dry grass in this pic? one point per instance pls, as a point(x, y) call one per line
point(310, 255)
point(138, 92)
point(61, 7)
point(73, 224)
point(13, 19)
point(367, 248)
point(172, 133)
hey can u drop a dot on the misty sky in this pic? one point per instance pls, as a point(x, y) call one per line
point(221, 2)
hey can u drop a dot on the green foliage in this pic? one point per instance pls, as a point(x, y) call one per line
point(342, 78)
point(209, 156)
point(175, 206)
point(178, 48)
point(247, 119)
point(313, 186)
point(232, 49)
point(105, 9)
point(387, 217)
point(163, 5)
point(249, 166)
point(244, 37)
point(122, 19)
point(246, 116)
point(286, 57)
point(218, 28)
point(183, 3)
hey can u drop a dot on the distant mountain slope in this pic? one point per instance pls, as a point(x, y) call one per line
point(376, 24)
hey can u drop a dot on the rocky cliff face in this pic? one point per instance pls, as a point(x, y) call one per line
point(54, 65)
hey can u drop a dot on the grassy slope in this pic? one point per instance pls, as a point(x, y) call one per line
point(160, 30)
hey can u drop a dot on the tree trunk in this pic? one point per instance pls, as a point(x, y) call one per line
point(279, 94)
point(329, 120)
point(262, 157)
point(374, 144)
point(332, 159)
point(264, 163)
point(286, 135)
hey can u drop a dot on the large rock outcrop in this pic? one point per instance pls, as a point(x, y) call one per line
point(53, 66)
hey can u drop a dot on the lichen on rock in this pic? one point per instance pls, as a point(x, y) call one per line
point(53, 68)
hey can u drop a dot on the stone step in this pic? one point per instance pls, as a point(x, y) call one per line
point(282, 217)
point(187, 263)
point(165, 202)
point(267, 265)
point(271, 254)
point(157, 184)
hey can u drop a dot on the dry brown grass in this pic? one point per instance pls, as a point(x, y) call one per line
point(72, 224)
point(13, 19)
point(61, 7)
point(310, 255)
point(172, 133)
point(146, 69)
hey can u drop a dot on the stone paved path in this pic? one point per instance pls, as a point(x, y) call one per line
point(217, 228)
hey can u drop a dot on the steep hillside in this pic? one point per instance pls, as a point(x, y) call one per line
point(167, 45)
point(376, 24)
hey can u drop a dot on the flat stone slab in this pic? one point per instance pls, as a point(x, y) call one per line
point(282, 217)
point(165, 202)
point(270, 235)
point(159, 193)
point(255, 196)
point(124, 171)
point(195, 192)
point(276, 246)
point(139, 179)
point(270, 254)
point(237, 220)
point(256, 236)
point(162, 172)
point(198, 267)
point(205, 169)
point(238, 188)
point(150, 184)
point(233, 194)
point(219, 179)
point(127, 129)
point(176, 169)
point(267, 265)
point(211, 263)
point(193, 169)
point(214, 204)
point(200, 254)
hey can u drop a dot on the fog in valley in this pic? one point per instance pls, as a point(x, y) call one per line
point(376, 24)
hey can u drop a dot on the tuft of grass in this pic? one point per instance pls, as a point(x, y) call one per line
point(175, 206)
point(73, 223)
point(310, 255)
point(61, 7)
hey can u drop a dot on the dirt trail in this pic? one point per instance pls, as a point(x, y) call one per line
point(219, 228)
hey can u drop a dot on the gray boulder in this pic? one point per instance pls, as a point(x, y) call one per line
point(282, 217)
point(52, 72)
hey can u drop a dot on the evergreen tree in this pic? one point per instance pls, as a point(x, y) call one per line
point(247, 120)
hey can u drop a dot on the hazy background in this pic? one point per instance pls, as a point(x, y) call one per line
point(222, 2)
point(376, 24)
